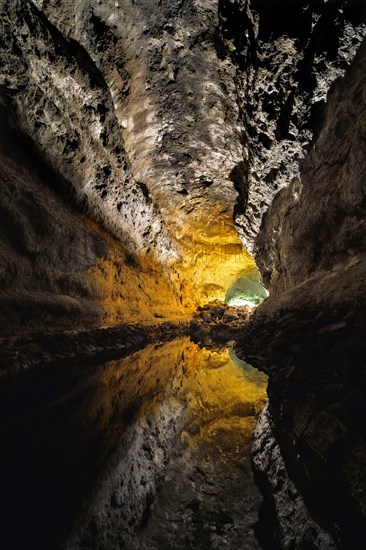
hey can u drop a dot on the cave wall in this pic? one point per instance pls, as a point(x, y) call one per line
point(188, 112)
point(142, 143)
point(299, 240)
point(133, 107)
point(174, 124)
point(311, 250)
point(286, 55)
point(59, 270)
point(62, 101)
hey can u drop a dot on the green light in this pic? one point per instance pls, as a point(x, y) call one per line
point(246, 291)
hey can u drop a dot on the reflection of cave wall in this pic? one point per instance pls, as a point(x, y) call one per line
point(314, 320)
point(98, 440)
point(159, 136)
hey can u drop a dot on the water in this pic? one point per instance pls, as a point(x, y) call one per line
point(151, 451)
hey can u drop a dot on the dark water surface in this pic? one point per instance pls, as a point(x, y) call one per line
point(150, 451)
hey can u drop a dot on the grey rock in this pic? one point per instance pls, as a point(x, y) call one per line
point(295, 527)
point(311, 251)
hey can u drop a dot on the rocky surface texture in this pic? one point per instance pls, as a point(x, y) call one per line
point(59, 271)
point(148, 451)
point(286, 55)
point(217, 323)
point(312, 255)
point(285, 521)
point(139, 140)
point(132, 105)
point(39, 349)
point(170, 121)
point(299, 240)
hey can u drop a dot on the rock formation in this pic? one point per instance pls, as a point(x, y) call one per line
point(173, 124)
point(286, 56)
point(217, 323)
point(147, 150)
point(311, 251)
point(139, 115)
point(59, 270)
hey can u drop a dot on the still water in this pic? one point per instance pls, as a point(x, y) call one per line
point(148, 452)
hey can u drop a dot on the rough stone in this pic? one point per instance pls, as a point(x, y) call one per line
point(311, 251)
point(175, 123)
point(217, 323)
point(286, 56)
point(172, 125)
point(293, 526)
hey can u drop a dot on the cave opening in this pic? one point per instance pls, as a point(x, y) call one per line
point(246, 290)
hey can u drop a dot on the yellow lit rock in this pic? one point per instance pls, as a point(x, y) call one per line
point(140, 288)
point(134, 289)
point(209, 269)
point(207, 384)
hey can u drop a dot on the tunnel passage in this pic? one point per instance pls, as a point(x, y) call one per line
point(246, 290)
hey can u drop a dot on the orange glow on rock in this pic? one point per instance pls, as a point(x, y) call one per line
point(140, 288)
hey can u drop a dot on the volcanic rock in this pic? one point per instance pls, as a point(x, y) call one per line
point(218, 323)
point(311, 251)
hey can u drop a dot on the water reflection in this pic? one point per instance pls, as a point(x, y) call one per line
point(147, 452)
point(242, 364)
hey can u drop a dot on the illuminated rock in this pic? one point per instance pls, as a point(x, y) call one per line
point(167, 122)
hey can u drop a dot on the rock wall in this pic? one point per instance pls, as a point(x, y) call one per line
point(311, 250)
point(58, 270)
point(297, 240)
point(62, 100)
point(286, 55)
point(172, 126)
point(132, 105)
point(175, 123)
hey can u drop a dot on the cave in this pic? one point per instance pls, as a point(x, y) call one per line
point(183, 274)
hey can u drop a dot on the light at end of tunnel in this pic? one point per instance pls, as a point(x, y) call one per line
point(241, 302)
point(246, 291)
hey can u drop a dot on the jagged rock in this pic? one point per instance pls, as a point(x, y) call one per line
point(58, 271)
point(39, 349)
point(311, 251)
point(110, 95)
point(218, 322)
point(286, 55)
point(175, 123)
point(298, 240)
point(293, 526)
point(172, 125)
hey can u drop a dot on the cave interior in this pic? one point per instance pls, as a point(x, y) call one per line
point(183, 274)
